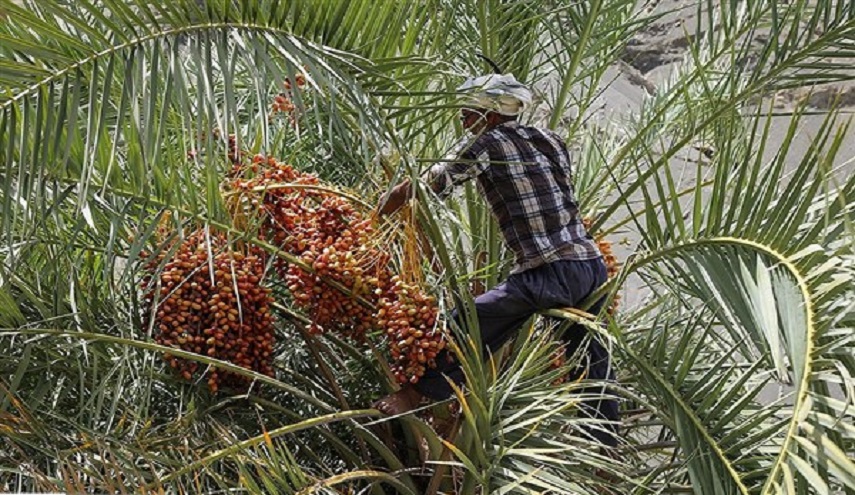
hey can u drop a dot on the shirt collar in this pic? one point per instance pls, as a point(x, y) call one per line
point(511, 124)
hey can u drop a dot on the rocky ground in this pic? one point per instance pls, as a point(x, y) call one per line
point(650, 59)
point(653, 55)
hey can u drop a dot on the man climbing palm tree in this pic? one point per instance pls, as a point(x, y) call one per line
point(524, 175)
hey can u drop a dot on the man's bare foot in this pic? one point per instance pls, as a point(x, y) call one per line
point(402, 401)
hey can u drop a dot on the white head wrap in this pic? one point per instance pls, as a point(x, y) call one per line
point(501, 93)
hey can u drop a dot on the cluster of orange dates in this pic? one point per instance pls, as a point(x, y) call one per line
point(282, 102)
point(341, 246)
point(409, 317)
point(210, 299)
point(332, 240)
point(612, 264)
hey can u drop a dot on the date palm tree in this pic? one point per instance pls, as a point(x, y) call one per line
point(734, 355)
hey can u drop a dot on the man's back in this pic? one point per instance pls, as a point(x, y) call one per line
point(524, 175)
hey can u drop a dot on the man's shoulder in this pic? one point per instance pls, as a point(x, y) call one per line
point(527, 131)
point(502, 133)
point(501, 136)
point(544, 131)
point(483, 142)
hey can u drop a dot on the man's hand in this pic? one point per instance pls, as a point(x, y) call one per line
point(396, 198)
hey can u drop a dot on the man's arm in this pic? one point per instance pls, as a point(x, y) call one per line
point(401, 193)
point(442, 177)
point(396, 198)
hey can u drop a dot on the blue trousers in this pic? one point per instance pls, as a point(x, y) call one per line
point(503, 310)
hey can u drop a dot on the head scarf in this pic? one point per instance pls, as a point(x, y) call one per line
point(500, 93)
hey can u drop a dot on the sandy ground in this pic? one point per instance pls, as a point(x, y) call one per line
point(656, 52)
point(653, 55)
point(649, 61)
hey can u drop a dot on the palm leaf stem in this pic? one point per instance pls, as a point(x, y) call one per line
point(150, 346)
point(260, 439)
point(801, 399)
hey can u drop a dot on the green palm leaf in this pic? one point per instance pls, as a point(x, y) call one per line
point(743, 250)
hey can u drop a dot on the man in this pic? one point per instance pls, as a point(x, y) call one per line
point(524, 175)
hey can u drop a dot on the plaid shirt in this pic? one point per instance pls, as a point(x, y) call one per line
point(524, 174)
